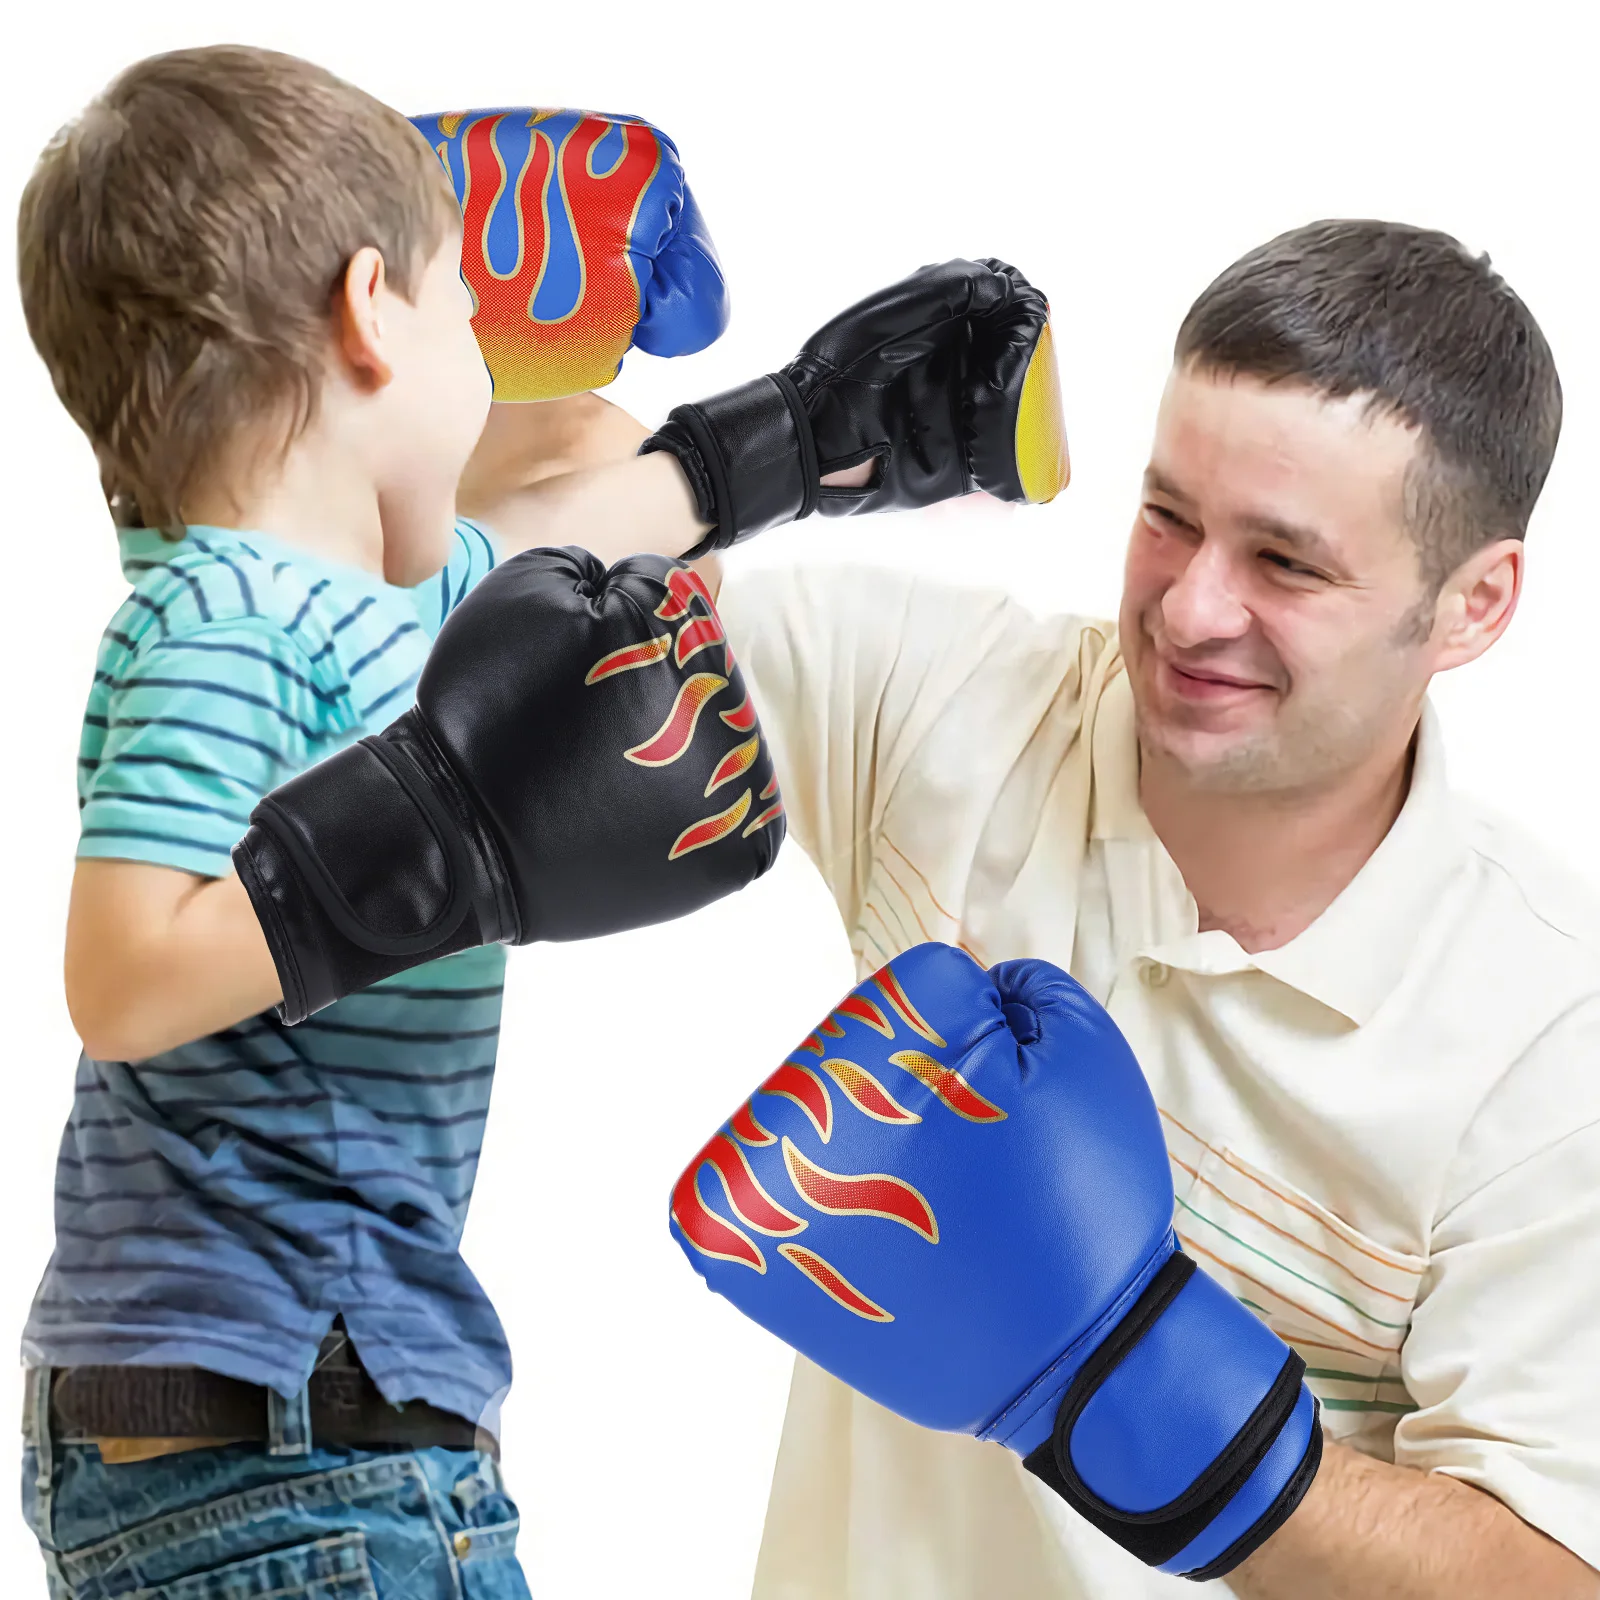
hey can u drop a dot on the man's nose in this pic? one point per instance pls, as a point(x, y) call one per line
point(1203, 602)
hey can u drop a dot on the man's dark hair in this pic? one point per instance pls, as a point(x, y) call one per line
point(1432, 333)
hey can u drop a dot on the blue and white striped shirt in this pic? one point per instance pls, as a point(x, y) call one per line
point(218, 1205)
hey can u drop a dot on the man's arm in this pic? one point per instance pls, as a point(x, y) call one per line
point(1383, 1532)
point(157, 957)
point(1499, 1361)
point(560, 472)
point(751, 456)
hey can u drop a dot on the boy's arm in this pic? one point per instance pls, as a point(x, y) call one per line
point(191, 723)
point(157, 957)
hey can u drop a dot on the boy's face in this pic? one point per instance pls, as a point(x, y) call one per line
point(436, 405)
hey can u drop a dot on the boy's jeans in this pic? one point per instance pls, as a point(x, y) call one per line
point(248, 1522)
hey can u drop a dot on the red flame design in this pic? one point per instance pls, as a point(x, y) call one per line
point(863, 1010)
point(684, 586)
point(673, 737)
point(868, 1194)
point(833, 1283)
point(742, 719)
point(705, 1230)
point(699, 834)
point(771, 813)
point(737, 762)
point(693, 637)
point(530, 359)
point(806, 1089)
point(865, 1093)
point(751, 1203)
point(629, 657)
point(901, 1002)
point(745, 1127)
point(949, 1086)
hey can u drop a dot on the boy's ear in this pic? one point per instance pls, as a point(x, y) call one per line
point(358, 299)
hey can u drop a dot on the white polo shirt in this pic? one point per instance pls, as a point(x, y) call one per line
point(1384, 1135)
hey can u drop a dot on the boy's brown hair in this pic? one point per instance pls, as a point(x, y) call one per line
point(178, 245)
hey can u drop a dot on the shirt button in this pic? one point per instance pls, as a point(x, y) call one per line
point(463, 1543)
point(1156, 973)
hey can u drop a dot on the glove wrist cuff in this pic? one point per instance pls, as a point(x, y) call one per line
point(1244, 1430)
point(368, 864)
point(750, 458)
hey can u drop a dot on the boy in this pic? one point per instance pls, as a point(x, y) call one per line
point(176, 248)
point(243, 275)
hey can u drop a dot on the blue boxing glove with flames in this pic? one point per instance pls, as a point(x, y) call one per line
point(955, 1197)
point(580, 240)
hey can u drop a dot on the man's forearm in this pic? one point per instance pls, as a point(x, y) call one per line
point(641, 504)
point(1372, 1531)
point(563, 472)
point(566, 472)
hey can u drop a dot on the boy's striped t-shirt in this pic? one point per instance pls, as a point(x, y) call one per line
point(219, 1204)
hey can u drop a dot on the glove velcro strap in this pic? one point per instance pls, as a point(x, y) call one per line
point(749, 455)
point(357, 868)
point(1186, 1425)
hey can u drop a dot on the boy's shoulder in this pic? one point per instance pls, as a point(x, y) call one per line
point(243, 592)
point(334, 647)
point(215, 581)
point(250, 641)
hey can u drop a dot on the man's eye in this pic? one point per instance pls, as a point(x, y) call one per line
point(1160, 514)
point(1285, 564)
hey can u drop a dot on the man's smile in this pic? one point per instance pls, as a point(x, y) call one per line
point(1200, 683)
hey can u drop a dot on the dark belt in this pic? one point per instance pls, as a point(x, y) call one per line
point(346, 1406)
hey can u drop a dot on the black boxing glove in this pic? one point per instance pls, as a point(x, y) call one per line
point(947, 379)
point(582, 758)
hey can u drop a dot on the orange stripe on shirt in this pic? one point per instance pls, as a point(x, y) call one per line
point(1287, 1199)
point(937, 905)
point(895, 939)
point(1283, 1233)
point(921, 874)
point(921, 925)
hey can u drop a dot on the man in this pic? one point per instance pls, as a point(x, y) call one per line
point(1368, 1014)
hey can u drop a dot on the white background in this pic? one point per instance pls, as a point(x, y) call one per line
point(1121, 155)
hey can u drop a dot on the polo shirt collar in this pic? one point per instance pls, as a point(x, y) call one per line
point(1353, 955)
point(1114, 808)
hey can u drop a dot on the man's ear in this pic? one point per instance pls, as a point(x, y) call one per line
point(358, 322)
point(1476, 604)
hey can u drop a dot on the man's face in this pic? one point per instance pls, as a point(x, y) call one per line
point(1270, 601)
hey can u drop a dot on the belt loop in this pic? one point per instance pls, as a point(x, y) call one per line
point(41, 1435)
point(42, 1438)
point(289, 1423)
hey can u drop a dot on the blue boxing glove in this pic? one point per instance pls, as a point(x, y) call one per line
point(580, 239)
point(955, 1197)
